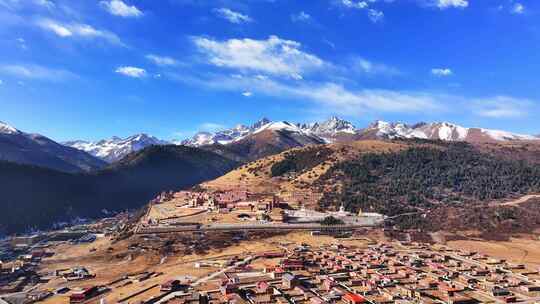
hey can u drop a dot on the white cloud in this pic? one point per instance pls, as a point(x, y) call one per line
point(162, 60)
point(444, 4)
point(365, 66)
point(22, 43)
point(131, 71)
point(1, 82)
point(442, 72)
point(57, 28)
point(247, 94)
point(518, 8)
point(86, 31)
point(375, 15)
point(274, 56)
point(301, 17)
point(45, 3)
point(18, 4)
point(502, 107)
point(232, 16)
point(37, 72)
point(355, 4)
point(119, 8)
point(336, 98)
point(330, 96)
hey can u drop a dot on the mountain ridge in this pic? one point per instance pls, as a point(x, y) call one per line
point(331, 130)
point(116, 148)
point(36, 149)
point(58, 196)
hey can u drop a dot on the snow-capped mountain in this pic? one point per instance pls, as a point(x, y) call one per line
point(439, 131)
point(35, 149)
point(116, 148)
point(221, 137)
point(326, 131)
point(224, 137)
point(7, 129)
point(332, 126)
point(331, 130)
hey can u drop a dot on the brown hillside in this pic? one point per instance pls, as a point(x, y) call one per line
point(256, 176)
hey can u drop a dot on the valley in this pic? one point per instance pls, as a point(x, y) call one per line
point(269, 152)
point(230, 217)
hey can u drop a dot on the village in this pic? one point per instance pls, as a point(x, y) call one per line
point(238, 247)
point(21, 257)
point(353, 270)
point(239, 209)
point(377, 273)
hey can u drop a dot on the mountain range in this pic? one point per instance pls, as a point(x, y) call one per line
point(281, 135)
point(440, 131)
point(35, 149)
point(115, 148)
point(36, 197)
point(43, 182)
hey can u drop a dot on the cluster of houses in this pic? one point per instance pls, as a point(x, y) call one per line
point(249, 205)
point(382, 273)
point(225, 201)
point(21, 257)
point(262, 206)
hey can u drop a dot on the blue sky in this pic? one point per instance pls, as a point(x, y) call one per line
point(74, 69)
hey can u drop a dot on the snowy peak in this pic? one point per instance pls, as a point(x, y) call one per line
point(331, 130)
point(444, 131)
point(260, 123)
point(332, 126)
point(383, 129)
point(115, 148)
point(279, 126)
point(38, 150)
point(323, 131)
point(440, 131)
point(506, 136)
point(7, 129)
point(221, 137)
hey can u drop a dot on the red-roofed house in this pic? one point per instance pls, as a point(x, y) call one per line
point(353, 298)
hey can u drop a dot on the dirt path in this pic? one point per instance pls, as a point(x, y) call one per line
point(520, 200)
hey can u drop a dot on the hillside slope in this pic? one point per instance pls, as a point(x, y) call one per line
point(425, 176)
point(38, 150)
point(34, 197)
point(264, 143)
point(397, 177)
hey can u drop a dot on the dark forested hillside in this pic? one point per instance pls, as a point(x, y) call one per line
point(425, 176)
point(33, 197)
point(37, 150)
point(301, 160)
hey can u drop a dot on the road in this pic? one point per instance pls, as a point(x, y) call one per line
point(520, 200)
point(207, 278)
point(253, 226)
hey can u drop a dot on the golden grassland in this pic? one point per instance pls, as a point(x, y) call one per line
point(523, 250)
point(256, 176)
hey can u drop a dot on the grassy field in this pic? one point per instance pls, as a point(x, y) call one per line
point(517, 250)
